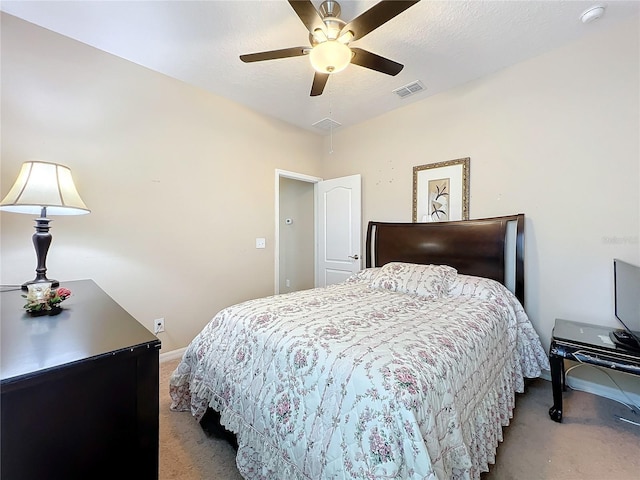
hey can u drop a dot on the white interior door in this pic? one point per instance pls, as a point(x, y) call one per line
point(338, 229)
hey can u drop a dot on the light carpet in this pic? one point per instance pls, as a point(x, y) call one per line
point(591, 443)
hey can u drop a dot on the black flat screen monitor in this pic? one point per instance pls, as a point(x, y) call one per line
point(626, 281)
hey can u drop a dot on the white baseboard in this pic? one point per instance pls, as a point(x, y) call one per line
point(173, 354)
point(618, 386)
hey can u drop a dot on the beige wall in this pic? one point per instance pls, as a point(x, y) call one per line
point(180, 182)
point(556, 138)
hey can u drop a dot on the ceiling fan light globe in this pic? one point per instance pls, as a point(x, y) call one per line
point(330, 57)
point(346, 37)
point(318, 36)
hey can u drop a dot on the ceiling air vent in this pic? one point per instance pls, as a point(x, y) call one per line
point(326, 124)
point(409, 89)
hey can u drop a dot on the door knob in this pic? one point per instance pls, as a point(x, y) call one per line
point(355, 257)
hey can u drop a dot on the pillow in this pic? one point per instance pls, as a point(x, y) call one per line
point(429, 281)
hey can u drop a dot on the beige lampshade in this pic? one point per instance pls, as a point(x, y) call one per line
point(43, 184)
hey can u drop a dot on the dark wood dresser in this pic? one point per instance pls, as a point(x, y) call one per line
point(79, 390)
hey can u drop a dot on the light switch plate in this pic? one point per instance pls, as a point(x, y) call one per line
point(261, 243)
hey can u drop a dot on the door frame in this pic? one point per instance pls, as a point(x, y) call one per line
point(303, 178)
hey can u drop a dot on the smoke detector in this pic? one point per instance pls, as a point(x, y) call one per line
point(592, 13)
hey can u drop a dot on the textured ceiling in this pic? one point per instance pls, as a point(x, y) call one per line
point(441, 43)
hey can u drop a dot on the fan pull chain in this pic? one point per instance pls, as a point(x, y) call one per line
point(330, 122)
point(331, 139)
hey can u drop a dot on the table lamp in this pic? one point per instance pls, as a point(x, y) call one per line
point(43, 188)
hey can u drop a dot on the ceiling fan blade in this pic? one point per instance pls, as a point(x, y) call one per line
point(375, 62)
point(274, 54)
point(308, 14)
point(319, 81)
point(377, 15)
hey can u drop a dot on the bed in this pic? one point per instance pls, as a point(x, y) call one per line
point(407, 370)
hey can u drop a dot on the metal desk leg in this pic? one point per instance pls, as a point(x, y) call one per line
point(557, 384)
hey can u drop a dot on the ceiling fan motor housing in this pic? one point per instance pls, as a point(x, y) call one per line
point(330, 13)
point(329, 8)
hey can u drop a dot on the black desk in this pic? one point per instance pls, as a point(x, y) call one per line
point(584, 343)
point(79, 390)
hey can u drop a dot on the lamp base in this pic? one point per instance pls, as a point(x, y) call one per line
point(41, 241)
point(54, 283)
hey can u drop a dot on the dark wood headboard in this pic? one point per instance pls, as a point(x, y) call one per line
point(480, 247)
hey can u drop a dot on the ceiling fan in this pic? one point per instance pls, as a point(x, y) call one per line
point(330, 37)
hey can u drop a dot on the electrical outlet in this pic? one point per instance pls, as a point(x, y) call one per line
point(158, 325)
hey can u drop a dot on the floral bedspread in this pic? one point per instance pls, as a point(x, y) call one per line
point(352, 381)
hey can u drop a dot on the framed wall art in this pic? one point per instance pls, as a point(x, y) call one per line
point(441, 191)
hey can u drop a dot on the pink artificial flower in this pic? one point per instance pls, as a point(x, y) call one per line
point(63, 292)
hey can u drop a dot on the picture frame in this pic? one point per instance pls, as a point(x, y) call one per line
point(441, 191)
